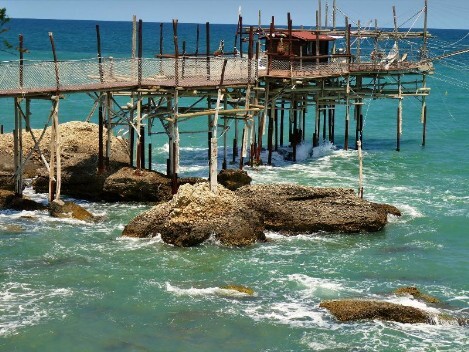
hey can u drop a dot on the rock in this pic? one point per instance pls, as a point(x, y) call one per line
point(128, 184)
point(79, 158)
point(69, 210)
point(415, 292)
point(233, 178)
point(355, 309)
point(239, 288)
point(293, 209)
point(8, 200)
point(194, 214)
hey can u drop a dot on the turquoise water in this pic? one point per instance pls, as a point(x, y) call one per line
point(72, 286)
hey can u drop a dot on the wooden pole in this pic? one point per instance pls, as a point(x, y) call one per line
point(276, 126)
point(399, 116)
point(149, 156)
point(138, 125)
point(134, 35)
point(282, 117)
point(21, 60)
point(360, 171)
point(270, 132)
point(140, 51)
point(207, 42)
point(100, 136)
point(197, 39)
point(142, 146)
point(240, 36)
point(176, 52)
point(18, 149)
point(225, 133)
point(56, 64)
point(161, 38)
point(108, 128)
point(214, 146)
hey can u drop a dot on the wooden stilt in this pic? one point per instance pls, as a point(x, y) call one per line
point(214, 146)
point(324, 125)
point(55, 161)
point(270, 133)
point(225, 133)
point(142, 147)
point(132, 144)
point(347, 113)
point(109, 127)
point(149, 157)
point(18, 149)
point(295, 129)
point(317, 118)
point(101, 137)
point(282, 117)
point(276, 127)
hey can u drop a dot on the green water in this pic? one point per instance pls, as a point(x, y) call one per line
point(72, 286)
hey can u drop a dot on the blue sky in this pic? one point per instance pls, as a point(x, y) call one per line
point(443, 13)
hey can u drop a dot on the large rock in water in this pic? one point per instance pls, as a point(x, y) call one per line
point(79, 158)
point(356, 309)
point(292, 209)
point(8, 200)
point(69, 210)
point(195, 213)
point(129, 184)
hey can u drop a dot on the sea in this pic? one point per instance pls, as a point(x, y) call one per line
point(68, 285)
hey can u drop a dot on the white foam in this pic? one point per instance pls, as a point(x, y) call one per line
point(205, 292)
point(296, 314)
point(22, 305)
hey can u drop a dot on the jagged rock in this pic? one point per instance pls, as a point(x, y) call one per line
point(61, 209)
point(292, 209)
point(355, 309)
point(8, 200)
point(233, 178)
point(194, 214)
point(415, 292)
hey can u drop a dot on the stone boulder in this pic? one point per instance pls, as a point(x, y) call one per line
point(195, 213)
point(356, 309)
point(293, 209)
point(233, 179)
point(69, 210)
point(8, 200)
point(79, 158)
point(129, 184)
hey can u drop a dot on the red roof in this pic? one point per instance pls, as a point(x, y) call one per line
point(308, 36)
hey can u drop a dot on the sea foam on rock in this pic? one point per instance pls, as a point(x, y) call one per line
point(195, 213)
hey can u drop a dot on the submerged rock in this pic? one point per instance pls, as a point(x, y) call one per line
point(355, 309)
point(292, 209)
point(70, 210)
point(239, 288)
point(415, 292)
point(194, 214)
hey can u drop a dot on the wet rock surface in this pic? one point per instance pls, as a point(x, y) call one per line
point(69, 210)
point(195, 214)
point(292, 209)
point(356, 309)
point(415, 293)
point(8, 200)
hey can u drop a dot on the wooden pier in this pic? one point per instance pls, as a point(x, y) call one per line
point(264, 91)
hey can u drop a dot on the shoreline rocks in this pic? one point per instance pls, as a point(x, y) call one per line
point(356, 309)
point(194, 214)
point(292, 209)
